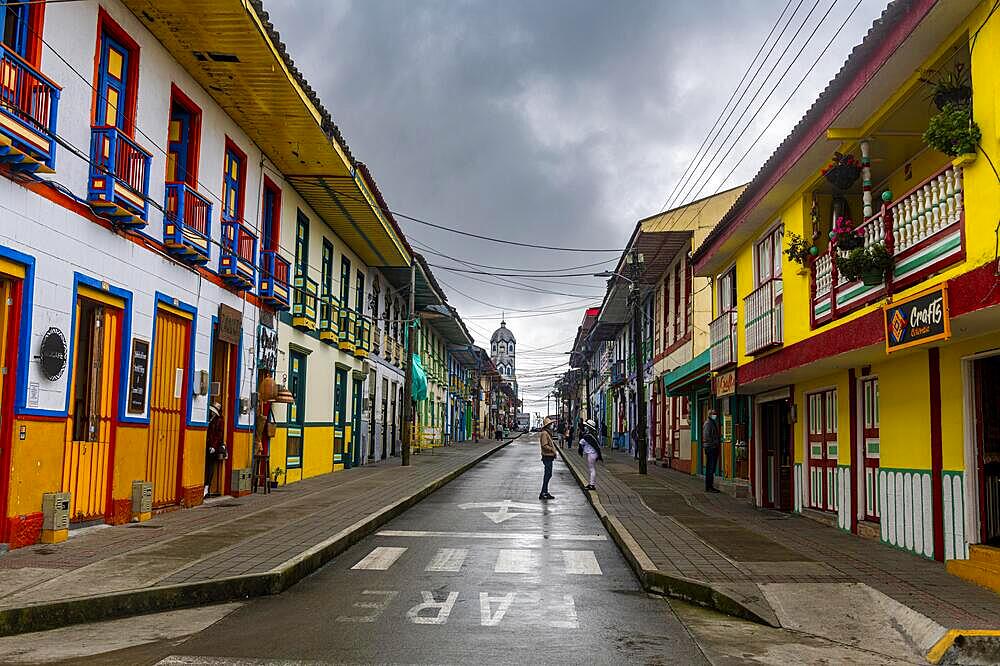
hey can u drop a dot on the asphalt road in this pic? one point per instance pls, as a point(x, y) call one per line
point(480, 572)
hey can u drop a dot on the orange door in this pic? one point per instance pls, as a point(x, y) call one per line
point(167, 407)
point(90, 427)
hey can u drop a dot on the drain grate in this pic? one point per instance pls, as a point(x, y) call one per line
point(216, 505)
point(140, 526)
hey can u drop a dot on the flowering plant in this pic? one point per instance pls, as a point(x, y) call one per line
point(842, 170)
point(839, 159)
point(846, 234)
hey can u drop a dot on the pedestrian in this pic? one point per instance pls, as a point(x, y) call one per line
point(548, 448)
point(590, 448)
point(215, 443)
point(562, 431)
point(711, 440)
point(569, 434)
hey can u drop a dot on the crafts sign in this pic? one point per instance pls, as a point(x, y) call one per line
point(917, 320)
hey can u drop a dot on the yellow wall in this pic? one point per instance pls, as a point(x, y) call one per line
point(841, 382)
point(193, 470)
point(131, 443)
point(904, 410)
point(317, 454)
point(35, 465)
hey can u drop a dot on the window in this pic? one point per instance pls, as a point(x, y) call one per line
point(345, 281)
point(15, 25)
point(302, 245)
point(183, 139)
point(297, 408)
point(677, 302)
point(359, 294)
point(767, 259)
point(376, 298)
point(117, 77)
point(87, 384)
point(326, 268)
point(727, 291)
point(233, 183)
point(270, 216)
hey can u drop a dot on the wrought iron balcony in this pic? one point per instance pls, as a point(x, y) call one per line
point(764, 317)
point(304, 303)
point(722, 340)
point(329, 326)
point(274, 270)
point(28, 108)
point(119, 177)
point(238, 258)
point(187, 224)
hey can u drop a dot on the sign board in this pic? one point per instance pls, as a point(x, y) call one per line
point(52, 354)
point(230, 324)
point(724, 384)
point(137, 377)
point(267, 348)
point(917, 320)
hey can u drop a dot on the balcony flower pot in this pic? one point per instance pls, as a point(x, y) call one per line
point(873, 277)
point(868, 265)
point(953, 131)
point(843, 171)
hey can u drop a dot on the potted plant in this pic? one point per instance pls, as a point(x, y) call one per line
point(866, 264)
point(846, 234)
point(842, 171)
point(953, 131)
point(278, 472)
point(953, 87)
point(799, 250)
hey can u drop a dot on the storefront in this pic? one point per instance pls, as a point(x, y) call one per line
point(735, 422)
point(687, 389)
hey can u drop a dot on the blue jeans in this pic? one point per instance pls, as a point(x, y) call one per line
point(547, 463)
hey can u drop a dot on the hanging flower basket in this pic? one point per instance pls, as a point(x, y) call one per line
point(846, 235)
point(842, 171)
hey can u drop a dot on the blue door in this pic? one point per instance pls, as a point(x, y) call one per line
point(14, 26)
point(112, 84)
point(179, 147)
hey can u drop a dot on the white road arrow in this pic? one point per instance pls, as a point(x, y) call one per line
point(503, 509)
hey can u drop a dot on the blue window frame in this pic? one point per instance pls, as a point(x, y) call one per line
point(113, 84)
point(179, 146)
point(232, 186)
point(269, 214)
point(14, 26)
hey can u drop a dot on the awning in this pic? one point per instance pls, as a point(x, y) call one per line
point(679, 380)
point(419, 391)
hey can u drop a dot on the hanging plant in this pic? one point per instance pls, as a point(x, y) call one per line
point(953, 87)
point(799, 249)
point(953, 131)
point(842, 171)
point(868, 265)
point(846, 234)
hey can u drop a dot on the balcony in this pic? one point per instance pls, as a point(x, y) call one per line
point(722, 340)
point(363, 337)
point(187, 224)
point(923, 231)
point(617, 372)
point(329, 326)
point(304, 303)
point(764, 314)
point(274, 270)
point(238, 259)
point(28, 109)
point(119, 177)
point(348, 323)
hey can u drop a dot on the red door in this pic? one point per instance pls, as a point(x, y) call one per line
point(823, 450)
point(9, 317)
point(870, 444)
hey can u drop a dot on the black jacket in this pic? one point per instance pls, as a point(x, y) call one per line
point(711, 436)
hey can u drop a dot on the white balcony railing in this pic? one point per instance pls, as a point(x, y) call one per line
point(722, 340)
point(763, 311)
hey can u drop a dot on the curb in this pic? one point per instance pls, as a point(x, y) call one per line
point(655, 581)
point(97, 608)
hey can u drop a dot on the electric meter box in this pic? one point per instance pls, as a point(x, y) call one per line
point(55, 517)
point(240, 482)
point(142, 500)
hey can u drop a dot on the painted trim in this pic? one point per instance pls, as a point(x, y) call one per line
point(24, 327)
point(854, 422)
point(195, 139)
point(107, 24)
point(934, 371)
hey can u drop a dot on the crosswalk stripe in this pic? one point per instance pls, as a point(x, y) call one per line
point(510, 560)
point(581, 562)
point(380, 559)
point(448, 559)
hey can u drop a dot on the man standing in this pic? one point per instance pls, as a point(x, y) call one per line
point(548, 448)
point(711, 440)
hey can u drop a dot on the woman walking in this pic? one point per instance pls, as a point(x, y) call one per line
point(590, 448)
point(548, 448)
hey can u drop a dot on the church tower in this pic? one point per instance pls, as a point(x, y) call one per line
point(502, 351)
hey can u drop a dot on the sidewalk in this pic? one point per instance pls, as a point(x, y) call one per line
point(786, 570)
point(225, 549)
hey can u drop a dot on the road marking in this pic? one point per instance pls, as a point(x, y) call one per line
point(448, 559)
point(488, 619)
point(581, 562)
point(515, 561)
point(571, 621)
point(380, 559)
point(442, 608)
point(377, 606)
point(520, 536)
point(503, 508)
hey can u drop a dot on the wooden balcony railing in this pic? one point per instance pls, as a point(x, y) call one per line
point(763, 312)
point(923, 231)
point(274, 285)
point(187, 223)
point(722, 340)
point(119, 176)
point(329, 323)
point(28, 109)
point(238, 259)
point(304, 303)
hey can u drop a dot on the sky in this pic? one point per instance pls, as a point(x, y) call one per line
point(556, 122)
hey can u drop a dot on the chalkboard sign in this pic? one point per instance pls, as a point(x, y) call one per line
point(137, 377)
point(917, 320)
point(52, 354)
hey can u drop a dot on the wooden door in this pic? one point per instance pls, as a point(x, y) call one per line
point(871, 447)
point(167, 407)
point(987, 378)
point(88, 455)
point(822, 427)
point(8, 366)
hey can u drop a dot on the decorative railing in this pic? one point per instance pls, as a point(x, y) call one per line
point(187, 223)
point(363, 337)
point(119, 176)
point(329, 318)
point(763, 312)
point(722, 340)
point(348, 326)
point(304, 303)
point(28, 109)
point(238, 259)
point(921, 230)
point(617, 372)
point(274, 271)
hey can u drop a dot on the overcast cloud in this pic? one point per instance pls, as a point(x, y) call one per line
point(552, 121)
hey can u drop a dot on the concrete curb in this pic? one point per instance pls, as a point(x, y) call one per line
point(658, 582)
point(97, 608)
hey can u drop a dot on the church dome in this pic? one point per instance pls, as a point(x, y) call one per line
point(503, 334)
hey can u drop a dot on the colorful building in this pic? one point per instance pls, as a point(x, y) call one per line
point(870, 357)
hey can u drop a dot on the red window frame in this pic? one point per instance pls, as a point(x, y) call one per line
point(677, 303)
point(106, 24)
point(194, 146)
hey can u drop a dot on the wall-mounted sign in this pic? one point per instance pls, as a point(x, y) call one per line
point(230, 324)
point(724, 384)
point(52, 354)
point(137, 377)
point(267, 348)
point(917, 320)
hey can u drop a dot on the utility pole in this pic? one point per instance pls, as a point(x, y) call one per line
point(635, 261)
point(408, 378)
point(547, 396)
